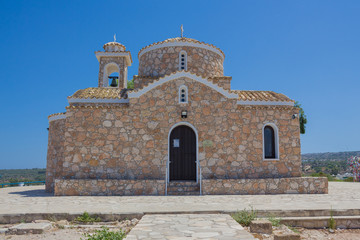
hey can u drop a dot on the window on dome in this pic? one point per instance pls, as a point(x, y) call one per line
point(183, 94)
point(183, 60)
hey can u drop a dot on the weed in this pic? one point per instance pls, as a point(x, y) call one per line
point(105, 234)
point(245, 216)
point(332, 222)
point(275, 221)
point(293, 229)
point(86, 218)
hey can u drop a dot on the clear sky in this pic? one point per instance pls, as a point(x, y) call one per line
point(308, 50)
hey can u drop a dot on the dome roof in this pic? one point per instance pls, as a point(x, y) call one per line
point(114, 47)
point(179, 41)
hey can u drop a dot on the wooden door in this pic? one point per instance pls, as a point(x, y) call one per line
point(182, 154)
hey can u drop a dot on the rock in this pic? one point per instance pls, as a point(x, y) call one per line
point(261, 226)
point(286, 236)
point(34, 228)
point(62, 223)
point(3, 230)
point(42, 221)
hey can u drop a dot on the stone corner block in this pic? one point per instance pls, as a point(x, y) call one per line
point(286, 236)
point(34, 228)
point(261, 226)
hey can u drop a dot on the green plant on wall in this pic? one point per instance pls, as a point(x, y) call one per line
point(302, 117)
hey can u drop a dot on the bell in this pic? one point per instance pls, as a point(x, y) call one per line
point(114, 81)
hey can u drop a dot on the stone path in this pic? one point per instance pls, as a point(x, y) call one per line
point(22, 200)
point(188, 226)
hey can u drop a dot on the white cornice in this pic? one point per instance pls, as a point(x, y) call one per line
point(182, 74)
point(180, 44)
point(95, 100)
point(241, 102)
point(115, 54)
point(57, 117)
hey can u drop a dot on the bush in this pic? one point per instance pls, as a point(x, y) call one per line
point(105, 234)
point(86, 218)
point(245, 217)
point(349, 179)
point(274, 220)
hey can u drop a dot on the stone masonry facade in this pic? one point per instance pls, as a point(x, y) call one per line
point(107, 144)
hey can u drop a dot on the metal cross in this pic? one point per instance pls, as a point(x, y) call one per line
point(182, 30)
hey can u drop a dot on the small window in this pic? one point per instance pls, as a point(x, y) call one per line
point(183, 60)
point(270, 138)
point(183, 94)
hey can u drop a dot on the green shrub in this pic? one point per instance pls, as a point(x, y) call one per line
point(245, 217)
point(105, 234)
point(349, 179)
point(86, 218)
point(274, 220)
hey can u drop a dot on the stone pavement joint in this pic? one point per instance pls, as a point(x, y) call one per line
point(188, 226)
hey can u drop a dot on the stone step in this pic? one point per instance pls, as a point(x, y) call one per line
point(322, 221)
point(183, 183)
point(184, 189)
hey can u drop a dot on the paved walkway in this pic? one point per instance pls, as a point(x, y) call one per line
point(188, 226)
point(21, 200)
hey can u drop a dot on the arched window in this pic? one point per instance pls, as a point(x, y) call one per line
point(111, 70)
point(183, 94)
point(183, 60)
point(270, 142)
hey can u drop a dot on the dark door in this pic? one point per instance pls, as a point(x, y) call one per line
point(182, 154)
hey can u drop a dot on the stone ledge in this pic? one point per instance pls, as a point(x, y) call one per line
point(108, 187)
point(295, 185)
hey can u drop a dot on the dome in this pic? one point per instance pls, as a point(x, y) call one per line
point(182, 41)
point(114, 47)
point(180, 53)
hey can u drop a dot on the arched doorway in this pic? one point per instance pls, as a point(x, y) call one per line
point(182, 154)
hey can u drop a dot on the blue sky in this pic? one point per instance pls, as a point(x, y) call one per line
point(308, 50)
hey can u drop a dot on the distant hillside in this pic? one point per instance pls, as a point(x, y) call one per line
point(22, 175)
point(328, 156)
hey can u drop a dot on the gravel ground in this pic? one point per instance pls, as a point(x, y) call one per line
point(317, 234)
point(62, 230)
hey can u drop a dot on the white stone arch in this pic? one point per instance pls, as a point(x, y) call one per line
point(183, 60)
point(276, 136)
point(181, 88)
point(108, 70)
point(197, 149)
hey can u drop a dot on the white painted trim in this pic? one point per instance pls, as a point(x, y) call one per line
point(185, 65)
point(197, 149)
point(182, 44)
point(183, 74)
point(276, 133)
point(95, 100)
point(57, 117)
point(242, 102)
point(186, 94)
point(114, 54)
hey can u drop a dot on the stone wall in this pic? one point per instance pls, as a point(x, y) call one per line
point(108, 187)
point(163, 61)
point(299, 185)
point(130, 141)
point(55, 152)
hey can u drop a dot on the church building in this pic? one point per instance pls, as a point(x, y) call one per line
point(179, 130)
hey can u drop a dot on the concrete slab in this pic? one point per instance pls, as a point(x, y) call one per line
point(188, 226)
point(34, 228)
point(31, 203)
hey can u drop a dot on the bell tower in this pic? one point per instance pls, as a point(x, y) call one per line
point(114, 60)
